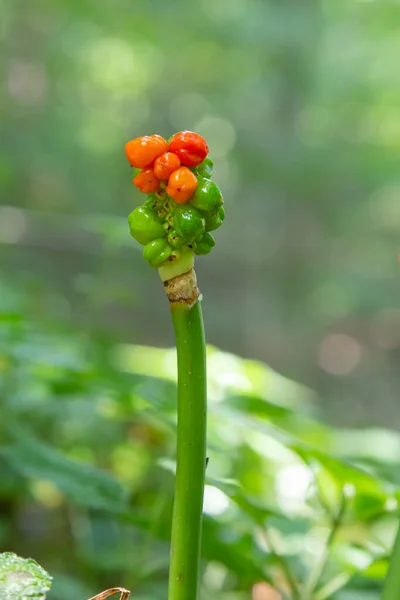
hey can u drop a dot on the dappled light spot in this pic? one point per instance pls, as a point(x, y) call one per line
point(264, 591)
point(215, 502)
point(214, 576)
point(12, 224)
point(391, 504)
point(349, 490)
point(130, 462)
point(270, 448)
point(358, 558)
point(225, 373)
point(27, 82)
point(339, 354)
point(292, 486)
point(314, 542)
point(46, 493)
point(115, 64)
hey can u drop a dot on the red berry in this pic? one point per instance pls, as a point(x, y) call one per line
point(190, 147)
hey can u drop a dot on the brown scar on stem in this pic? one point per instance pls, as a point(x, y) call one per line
point(183, 288)
point(107, 593)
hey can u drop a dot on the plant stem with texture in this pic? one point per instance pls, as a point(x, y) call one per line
point(187, 319)
point(391, 589)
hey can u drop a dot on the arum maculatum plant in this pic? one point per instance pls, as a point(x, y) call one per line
point(182, 206)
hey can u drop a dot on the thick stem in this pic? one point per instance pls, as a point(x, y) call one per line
point(391, 589)
point(191, 437)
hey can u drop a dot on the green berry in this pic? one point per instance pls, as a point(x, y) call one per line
point(145, 225)
point(206, 168)
point(214, 220)
point(188, 222)
point(205, 245)
point(157, 252)
point(153, 201)
point(207, 196)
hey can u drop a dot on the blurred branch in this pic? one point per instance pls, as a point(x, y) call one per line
point(332, 586)
point(292, 584)
point(318, 571)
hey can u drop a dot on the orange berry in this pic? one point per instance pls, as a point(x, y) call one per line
point(181, 185)
point(165, 164)
point(142, 151)
point(146, 181)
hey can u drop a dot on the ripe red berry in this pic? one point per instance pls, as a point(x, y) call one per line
point(142, 151)
point(190, 147)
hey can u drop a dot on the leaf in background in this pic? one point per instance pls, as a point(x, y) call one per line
point(251, 507)
point(81, 483)
point(377, 569)
point(235, 550)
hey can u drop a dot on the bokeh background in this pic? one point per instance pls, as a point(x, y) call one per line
point(299, 103)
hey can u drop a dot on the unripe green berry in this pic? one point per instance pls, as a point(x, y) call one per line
point(145, 225)
point(188, 222)
point(205, 245)
point(157, 252)
point(206, 168)
point(153, 201)
point(207, 196)
point(214, 220)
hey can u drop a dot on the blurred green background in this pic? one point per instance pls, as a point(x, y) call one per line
point(299, 102)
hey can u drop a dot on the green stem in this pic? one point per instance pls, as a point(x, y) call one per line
point(391, 589)
point(191, 451)
point(318, 571)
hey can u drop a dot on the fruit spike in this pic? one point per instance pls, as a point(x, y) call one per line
point(182, 204)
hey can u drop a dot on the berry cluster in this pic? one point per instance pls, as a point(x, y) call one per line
point(182, 205)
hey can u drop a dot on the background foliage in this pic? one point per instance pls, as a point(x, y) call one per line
point(299, 104)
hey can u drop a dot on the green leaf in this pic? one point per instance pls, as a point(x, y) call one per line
point(81, 483)
point(21, 578)
point(377, 569)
